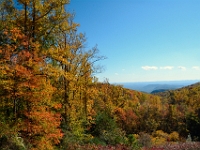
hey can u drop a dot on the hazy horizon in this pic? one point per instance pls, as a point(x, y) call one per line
point(164, 81)
point(154, 85)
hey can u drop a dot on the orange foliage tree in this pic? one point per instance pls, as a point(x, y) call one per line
point(26, 92)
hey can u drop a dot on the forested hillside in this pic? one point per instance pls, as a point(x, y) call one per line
point(50, 98)
point(185, 106)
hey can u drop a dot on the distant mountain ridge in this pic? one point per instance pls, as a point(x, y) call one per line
point(153, 87)
point(190, 87)
point(150, 87)
point(158, 91)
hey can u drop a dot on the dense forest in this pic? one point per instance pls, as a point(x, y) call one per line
point(51, 99)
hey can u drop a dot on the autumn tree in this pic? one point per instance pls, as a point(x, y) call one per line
point(26, 93)
point(42, 20)
point(46, 73)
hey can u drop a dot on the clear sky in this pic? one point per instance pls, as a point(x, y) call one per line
point(143, 40)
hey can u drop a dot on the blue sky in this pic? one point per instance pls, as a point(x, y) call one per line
point(143, 40)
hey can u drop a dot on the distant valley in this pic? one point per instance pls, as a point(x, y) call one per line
point(157, 86)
